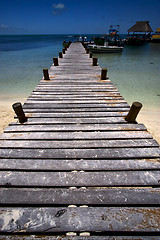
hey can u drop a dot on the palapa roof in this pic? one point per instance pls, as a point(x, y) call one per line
point(141, 26)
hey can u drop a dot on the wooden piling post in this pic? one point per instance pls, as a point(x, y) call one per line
point(104, 74)
point(133, 112)
point(60, 55)
point(95, 61)
point(90, 55)
point(55, 61)
point(64, 51)
point(87, 50)
point(46, 74)
point(17, 107)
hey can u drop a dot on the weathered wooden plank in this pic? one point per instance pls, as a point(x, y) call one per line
point(99, 153)
point(14, 127)
point(76, 94)
point(78, 144)
point(69, 98)
point(77, 135)
point(67, 85)
point(45, 88)
point(40, 114)
point(80, 179)
point(127, 219)
point(64, 237)
point(49, 101)
point(87, 165)
point(59, 82)
point(75, 120)
point(78, 71)
point(94, 196)
point(75, 110)
point(74, 105)
point(79, 76)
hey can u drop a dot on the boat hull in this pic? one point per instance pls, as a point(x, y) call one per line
point(103, 49)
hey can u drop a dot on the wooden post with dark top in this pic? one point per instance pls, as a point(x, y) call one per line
point(46, 74)
point(104, 74)
point(17, 107)
point(133, 112)
point(90, 55)
point(60, 55)
point(95, 61)
point(55, 61)
point(64, 51)
point(87, 50)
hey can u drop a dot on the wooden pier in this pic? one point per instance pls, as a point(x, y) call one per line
point(76, 169)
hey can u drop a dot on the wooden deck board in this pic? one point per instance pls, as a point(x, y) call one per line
point(94, 196)
point(80, 219)
point(76, 136)
point(38, 164)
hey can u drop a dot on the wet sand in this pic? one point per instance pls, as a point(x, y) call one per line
point(151, 119)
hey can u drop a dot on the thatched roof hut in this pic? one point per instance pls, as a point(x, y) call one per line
point(141, 26)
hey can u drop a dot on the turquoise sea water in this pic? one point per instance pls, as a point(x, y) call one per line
point(135, 72)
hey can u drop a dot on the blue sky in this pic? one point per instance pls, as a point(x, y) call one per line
point(75, 16)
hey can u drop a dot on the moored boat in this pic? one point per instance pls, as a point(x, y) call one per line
point(156, 37)
point(113, 38)
point(104, 49)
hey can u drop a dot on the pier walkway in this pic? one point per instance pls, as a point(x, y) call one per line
point(77, 169)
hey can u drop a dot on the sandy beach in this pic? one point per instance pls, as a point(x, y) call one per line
point(150, 119)
point(7, 113)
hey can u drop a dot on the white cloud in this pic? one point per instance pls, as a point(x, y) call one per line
point(2, 26)
point(58, 6)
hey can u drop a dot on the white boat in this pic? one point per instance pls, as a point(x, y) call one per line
point(104, 49)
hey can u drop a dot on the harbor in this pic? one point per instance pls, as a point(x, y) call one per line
point(78, 165)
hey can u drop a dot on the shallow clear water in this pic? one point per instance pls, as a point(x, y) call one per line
point(135, 72)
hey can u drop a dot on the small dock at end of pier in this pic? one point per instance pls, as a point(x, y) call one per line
point(76, 165)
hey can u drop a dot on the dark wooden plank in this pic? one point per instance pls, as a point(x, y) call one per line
point(87, 165)
point(127, 219)
point(64, 237)
point(76, 87)
point(14, 127)
point(99, 153)
point(94, 196)
point(81, 101)
point(80, 179)
point(79, 83)
point(74, 114)
point(74, 105)
point(74, 110)
point(75, 94)
point(60, 89)
point(78, 144)
point(69, 98)
point(77, 135)
point(78, 71)
point(75, 120)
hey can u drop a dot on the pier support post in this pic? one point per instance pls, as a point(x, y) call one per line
point(90, 55)
point(17, 107)
point(60, 55)
point(46, 74)
point(95, 61)
point(133, 112)
point(104, 74)
point(87, 50)
point(55, 61)
point(64, 51)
